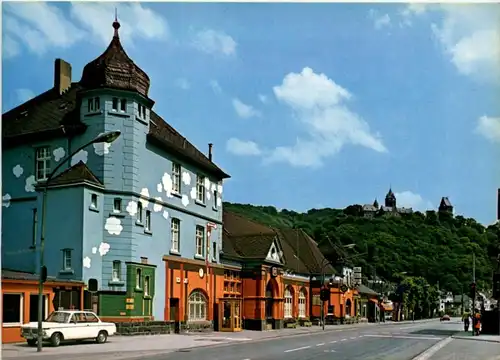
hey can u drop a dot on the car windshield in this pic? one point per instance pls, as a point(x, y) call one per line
point(58, 317)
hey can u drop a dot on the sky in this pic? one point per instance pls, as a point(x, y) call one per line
point(307, 105)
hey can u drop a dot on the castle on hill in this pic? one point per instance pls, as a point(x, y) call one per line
point(390, 207)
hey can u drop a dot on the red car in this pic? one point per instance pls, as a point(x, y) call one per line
point(445, 317)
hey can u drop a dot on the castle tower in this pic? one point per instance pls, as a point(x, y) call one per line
point(390, 199)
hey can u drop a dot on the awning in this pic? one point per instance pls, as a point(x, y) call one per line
point(386, 307)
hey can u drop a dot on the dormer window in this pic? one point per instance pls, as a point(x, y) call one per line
point(93, 105)
point(115, 104)
point(123, 105)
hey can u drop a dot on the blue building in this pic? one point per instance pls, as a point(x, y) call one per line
point(114, 211)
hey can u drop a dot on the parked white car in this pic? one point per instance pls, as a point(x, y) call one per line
point(69, 325)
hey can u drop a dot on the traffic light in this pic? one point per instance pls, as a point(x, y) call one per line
point(324, 294)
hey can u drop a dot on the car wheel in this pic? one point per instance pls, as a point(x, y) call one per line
point(101, 337)
point(31, 342)
point(55, 339)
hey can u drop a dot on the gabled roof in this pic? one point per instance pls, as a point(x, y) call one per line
point(445, 201)
point(76, 174)
point(244, 238)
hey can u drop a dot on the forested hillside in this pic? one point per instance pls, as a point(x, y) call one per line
point(436, 247)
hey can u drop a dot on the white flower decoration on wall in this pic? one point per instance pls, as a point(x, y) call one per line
point(29, 185)
point(208, 195)
point(101, 148)
point(192, 193)
point(157, 207)
point(214, 187)
point(145, 202)
point(165, 214)
point(86, 262)
point(113, 226)
point(207, 183)
point(185, 200)
point(58, 154)
point(81, 155)
point(6, 200)
point(186, 178)
point(131, 208)
point(219, 189)
point(219, 202)
point(17, 171)
point(104, 248)
point(166, 181)
point(94, 250)
point(159, 188)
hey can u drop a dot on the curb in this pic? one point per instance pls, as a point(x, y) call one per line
point(475, 338)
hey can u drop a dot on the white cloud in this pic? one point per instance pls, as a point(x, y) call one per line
point(6, 200)
point(58, 153)
point(214, 42)
point(41, 26)
point(263, 99)
point(243, 110)
point(101, 148)
point(104, 247)
point(489, 127)
point(242, 147)
point(379, 21)
point(214, 84)
point(186, 178)
point(95, 18)
point(320, 105)
point(17, 170)
point(409, 199)
point(81, 155)
point(145, 193)
point(86, 262)
point(24, 95)
point(183, 84)
point(468, 34)
point(30, 183)
point(410, 11)
point(157, 207)
point(113, 226)
point(132, 208)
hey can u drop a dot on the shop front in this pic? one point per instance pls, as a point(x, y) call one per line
point(20, 300)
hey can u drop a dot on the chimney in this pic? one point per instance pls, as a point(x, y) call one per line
point(210, 145)
point(62, 76)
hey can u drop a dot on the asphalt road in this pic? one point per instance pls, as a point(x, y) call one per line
point(394, 342)
point(468, 350)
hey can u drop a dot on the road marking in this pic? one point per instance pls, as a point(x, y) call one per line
point(405, 337)
point(333, 342)
point(433, 349)
point(321, 344)
point(297, 349)
point(343, 340)
point(329, 351)
point(354, 337)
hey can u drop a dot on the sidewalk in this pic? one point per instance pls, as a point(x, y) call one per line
point(122, 347)
point(468, 336)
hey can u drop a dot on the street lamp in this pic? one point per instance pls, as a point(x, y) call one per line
point(107, 137)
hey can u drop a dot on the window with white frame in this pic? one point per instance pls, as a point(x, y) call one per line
point(176, 178)
point(139, 212)
point(200, 188)
point(67, 259)
point(93, 201)
point(175, 226)
point(12, 309)
point(288, 306)
point(117, 205)
point(200, 240)
point(146, 286)
point(117, 269)
point(197, 304)
point(138, 279)
point(302, 303)
point(93, 104)
point(141, 111)
point(147, 223)
point(42, 163)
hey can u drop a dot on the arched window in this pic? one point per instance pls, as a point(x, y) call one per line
point(302, 303)
point(288, 303)
point(197, 306)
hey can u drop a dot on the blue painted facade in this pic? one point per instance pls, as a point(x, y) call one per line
point(86, 218)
